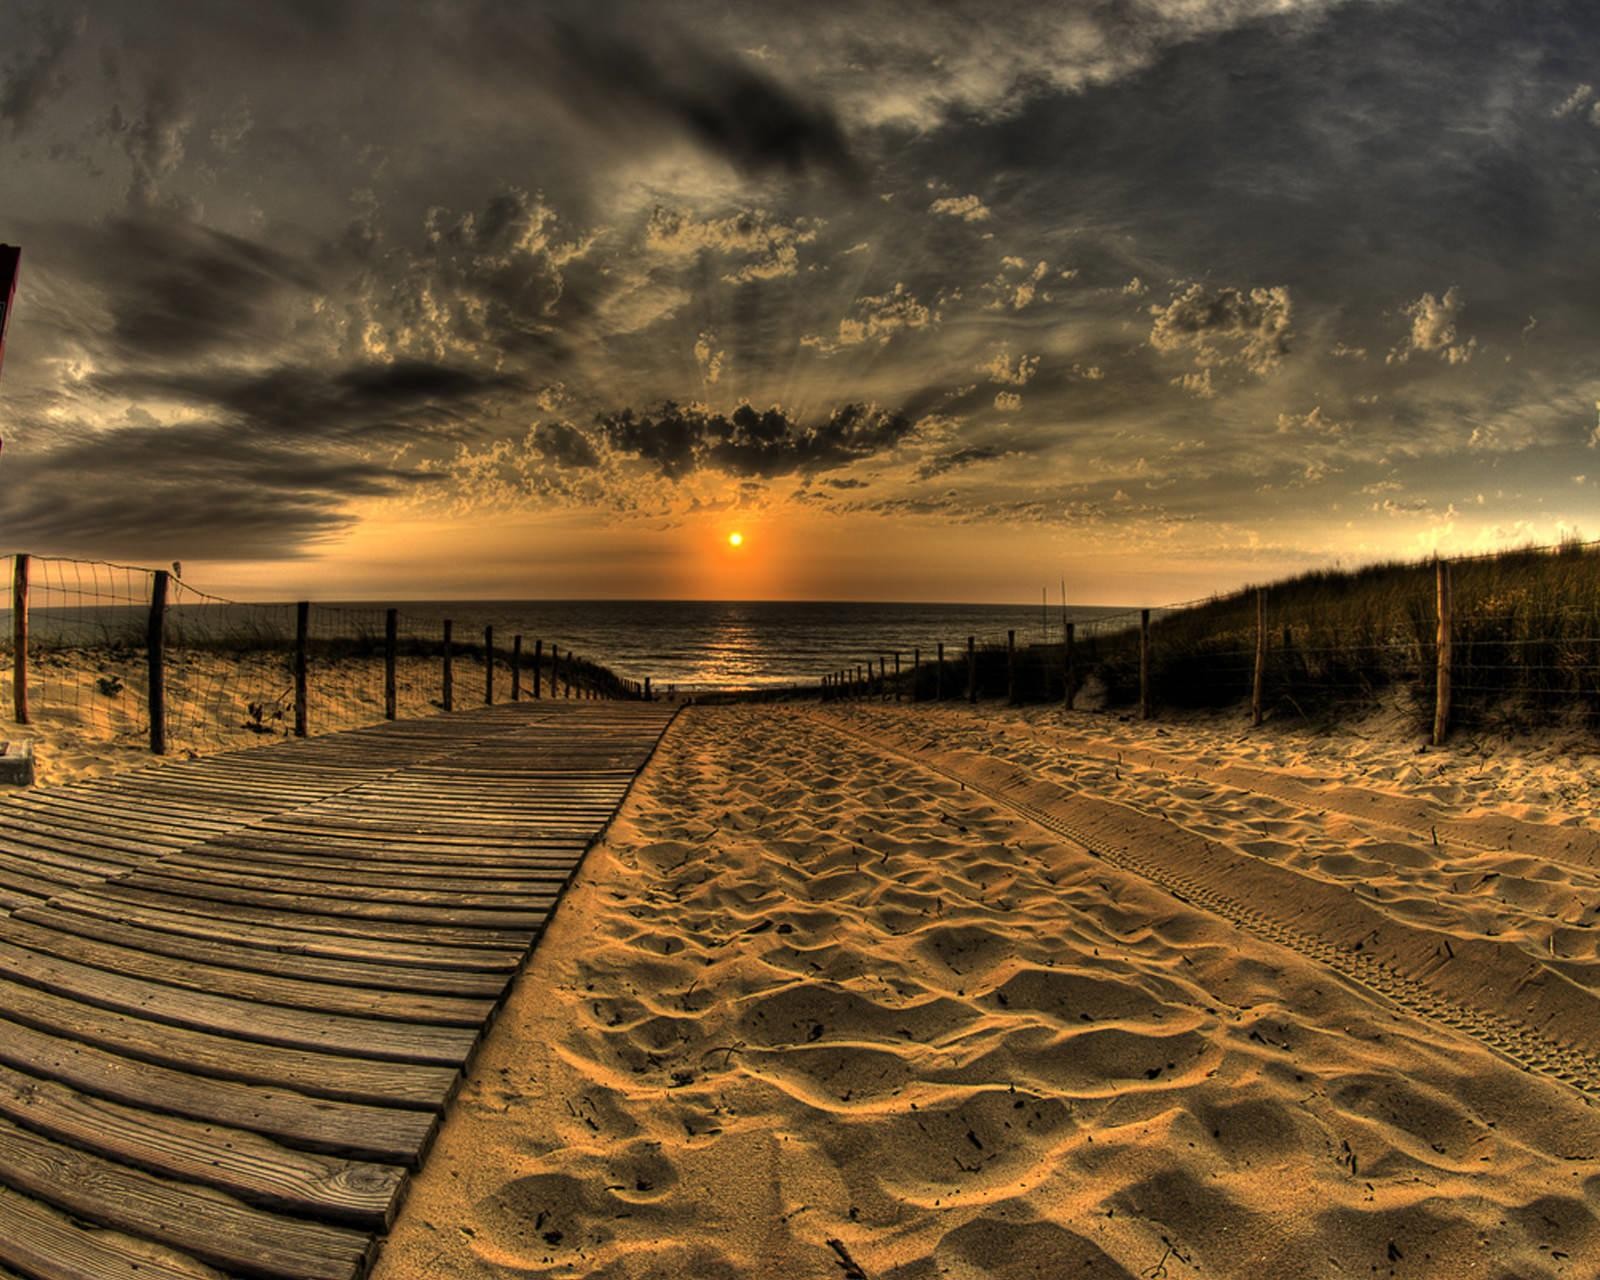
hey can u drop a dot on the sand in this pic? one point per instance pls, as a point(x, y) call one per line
point(835, 996)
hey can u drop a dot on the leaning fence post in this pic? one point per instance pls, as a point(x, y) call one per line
point(1258, 686)
point(19, 640)
point(448, 675)
point(488, 666)
point(516, 668)
point(938, 676)
point(1441, 706)
point(1144, 664)
point(1011, 668)
point(156, 646)
point(391, 644)
point(302, 647)
point(1071, 694)
point(972, 669)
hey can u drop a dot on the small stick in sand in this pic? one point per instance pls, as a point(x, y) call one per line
point(851, 1268)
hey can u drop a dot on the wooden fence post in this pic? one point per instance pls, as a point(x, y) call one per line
point(883, 676)
point(897, 675)
point(391, 645)
point(516, 668)
point(488, 666)
point(972, 669)
point(538, 664)
point(1011, 668)
point(1144, 664)
point(302, 665)
point(448, 690)
point(1071, 694)
point(938, 676)
point(156, 651)
point(1259, 684)
point(19, 640)
point(555, 670)
point(1446, 644)
point(916, 674)
point(649, 696)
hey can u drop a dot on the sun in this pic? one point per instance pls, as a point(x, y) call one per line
point(736, 539)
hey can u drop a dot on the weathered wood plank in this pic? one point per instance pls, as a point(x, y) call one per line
point(49, 1246)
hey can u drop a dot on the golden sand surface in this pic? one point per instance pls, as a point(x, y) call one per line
point(836, 997)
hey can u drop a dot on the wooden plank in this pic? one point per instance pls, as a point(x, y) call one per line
point(324, 1075)
point(359, 1130)
point(208, 1224)
point(255, 1169)
point(482, 899)
point(336, 993)
point(241, 1019)
point(49, 1246)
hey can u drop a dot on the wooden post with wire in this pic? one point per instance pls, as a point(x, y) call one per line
point(1071, 694)
point(156, 654)
point(1011, 668)
point(538, 664)
point(1258, 685)
point(19, 639)
point(488, 666)
point(1446, 646)
point(972, 669)
point(447, 690)
point(516, 668)
point(302, 665)
point(391, 646)
point(1144, 664)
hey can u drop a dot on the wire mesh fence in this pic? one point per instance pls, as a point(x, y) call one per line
point(84, 639)
point(1521, 634)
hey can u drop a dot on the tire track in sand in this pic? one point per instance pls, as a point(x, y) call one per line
point(1425, 973)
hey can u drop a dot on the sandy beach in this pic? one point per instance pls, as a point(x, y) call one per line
point(835, 997)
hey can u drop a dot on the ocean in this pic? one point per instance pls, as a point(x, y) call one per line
point(695, 644)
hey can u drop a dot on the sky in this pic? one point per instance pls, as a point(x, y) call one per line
point(488, 299)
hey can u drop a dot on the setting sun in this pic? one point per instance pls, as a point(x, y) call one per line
point(736, 539)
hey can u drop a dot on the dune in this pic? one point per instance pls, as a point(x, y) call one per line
point(835, 997)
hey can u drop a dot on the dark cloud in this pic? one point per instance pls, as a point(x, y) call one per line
point(34, 75)
point(751, 442)
point(157, 492)
point(564, 445)
point(394, 401)
point(626, 71)
point(176, 289)
point(958, 458)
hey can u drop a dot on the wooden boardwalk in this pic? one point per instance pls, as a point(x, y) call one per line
point(237, 992)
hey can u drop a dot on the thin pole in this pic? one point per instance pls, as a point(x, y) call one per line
point(916, 673)
point(883, 676)
point(897, 675)
point(156, 649)
point(449, 674)
point(938, 676)
point(1144, 664)
point(516, 668)
point(488, 666)
point(555, 670)
point(538, 662)
point(19, 640)
point(1072, 694)
point(302, 663)
point(1259, 684)
point(1011, 668)
point(391, 644)
point(1441, 706)
point(972, 669)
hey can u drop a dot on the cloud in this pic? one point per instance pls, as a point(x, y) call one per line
point(956, 459)
point(773, 246)
point(679, 440)
point(1314, 423)
point(709, 357)
point(1580, 97)
point(1001, 370)
point(34, 75)
point(1225, 327)
point(878, 318)
point(1008, 401)
point(966, 208)
point(564, 445)
point(1017, 285)
point(1433, 329)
